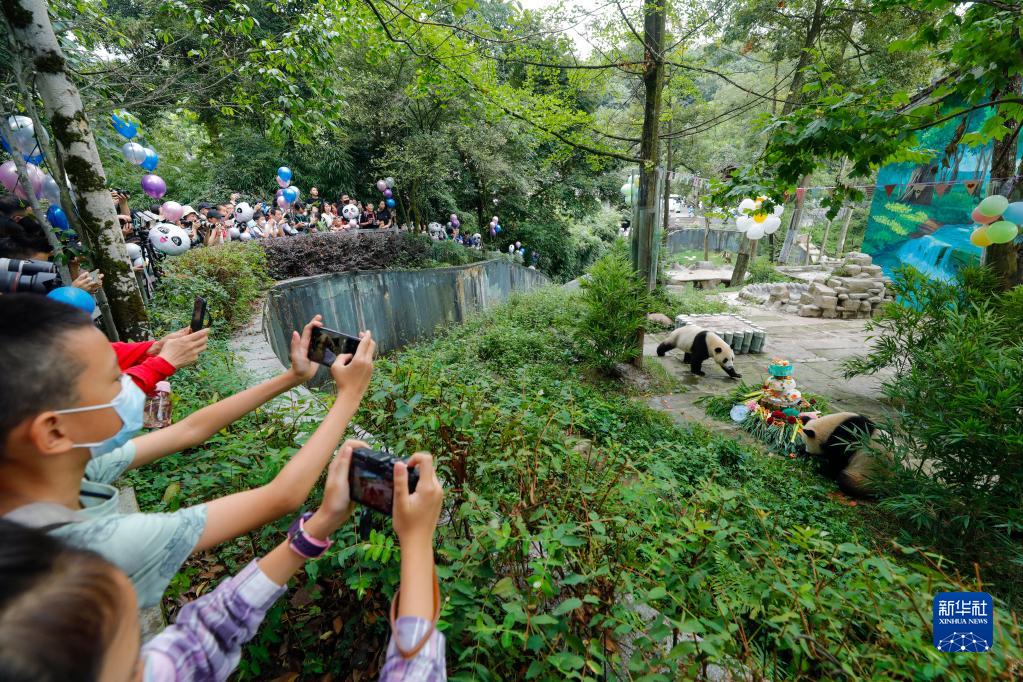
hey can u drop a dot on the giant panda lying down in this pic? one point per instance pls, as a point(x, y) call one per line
point(698, 344)
point(847, 446)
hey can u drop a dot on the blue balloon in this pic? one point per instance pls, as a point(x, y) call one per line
point(497, 228)
point(56, 216)
point(290, 194)
point(7, 147)
point(123, 126)
point(36, 160)
point(75, 297)
point(149, 163)
point(390, 203)
point(1014, 213)
point(284, 173)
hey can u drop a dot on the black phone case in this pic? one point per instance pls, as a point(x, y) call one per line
point(380, 464)
point(198, 314)
point(348, 346)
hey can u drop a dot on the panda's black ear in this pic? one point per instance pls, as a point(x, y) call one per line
point(809, 433)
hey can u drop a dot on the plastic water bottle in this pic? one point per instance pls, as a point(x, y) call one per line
point(158, 407)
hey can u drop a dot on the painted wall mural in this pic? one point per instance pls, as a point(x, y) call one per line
point(920, 213)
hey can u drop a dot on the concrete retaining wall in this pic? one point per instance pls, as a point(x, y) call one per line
point(398, 306)
point(689, 239)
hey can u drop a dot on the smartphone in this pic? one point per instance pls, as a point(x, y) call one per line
point(198, 314)
point(371, 479)
point(326, 345)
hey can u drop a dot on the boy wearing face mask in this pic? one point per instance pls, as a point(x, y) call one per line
point(67, 421)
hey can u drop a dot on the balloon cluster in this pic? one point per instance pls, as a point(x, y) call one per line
point(20, 135)
point(628, 190)
point(999, 221)
point(288, 193)
point(386, 187)
point(127, 126)
point(495, 226)
point(754, 221)
point(454, 221)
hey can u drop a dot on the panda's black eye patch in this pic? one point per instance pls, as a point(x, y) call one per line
point(717, 350)
point(809, 433)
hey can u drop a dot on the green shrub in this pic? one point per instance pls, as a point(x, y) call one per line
point(687, 301)
point(231, 278)
point(616, 303)
point(761, 270)
point(954, 360)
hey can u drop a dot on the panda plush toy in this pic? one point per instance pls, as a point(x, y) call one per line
point(846, 445)
point(169, 239)
point(698, 344)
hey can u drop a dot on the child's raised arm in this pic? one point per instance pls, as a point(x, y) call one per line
point(202, 424)
point(231, 516)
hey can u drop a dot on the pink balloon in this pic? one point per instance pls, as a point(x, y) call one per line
point(282, 202)
point(981, 218)
point(280, 192)
point(36, 178)
point(171, 211)
point(381, 185)
point(283, 183)
point(20, 193)
point(353, 223)
point(9, 175)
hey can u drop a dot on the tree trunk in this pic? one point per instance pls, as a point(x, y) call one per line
point(792, 234)
point(653, 81)
point(29, 23)
point(741, 262)
point(666, 209)
point(1002, 258)
point(840, 246)
point(706, 238)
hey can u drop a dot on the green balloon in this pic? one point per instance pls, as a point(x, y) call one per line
point(1002, 232)
point(993, 205)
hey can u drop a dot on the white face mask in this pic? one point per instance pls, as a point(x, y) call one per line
point(129, 404)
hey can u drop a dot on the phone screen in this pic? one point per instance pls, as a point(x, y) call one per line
point(326, 345)
point(198, 314)
point(371, 489)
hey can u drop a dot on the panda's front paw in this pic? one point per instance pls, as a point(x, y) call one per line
point(699, 373)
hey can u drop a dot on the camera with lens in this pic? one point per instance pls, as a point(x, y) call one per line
point(33, 276)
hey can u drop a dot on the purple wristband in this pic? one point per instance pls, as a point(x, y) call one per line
point(300, 542)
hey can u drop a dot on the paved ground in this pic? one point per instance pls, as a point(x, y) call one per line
point(815, 346)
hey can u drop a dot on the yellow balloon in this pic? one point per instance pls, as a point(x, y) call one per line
point(980, 237)
point(759, 217)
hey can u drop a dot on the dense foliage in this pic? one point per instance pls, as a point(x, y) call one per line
point(584, 535)
point(615, 306)
point(953, 370)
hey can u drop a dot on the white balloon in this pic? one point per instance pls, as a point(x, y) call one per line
point(743, 223)
point(771, 224)
point(51, 190)
point(778, 209)
point(245, 236)
point(756, 231)
point(169, 239)
point(242, 213)
point(134, 152)
point(747, 205)
point(389, 182)
point(134, 251)
point(234, 233)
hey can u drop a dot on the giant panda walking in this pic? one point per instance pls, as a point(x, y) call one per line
point(698, 344)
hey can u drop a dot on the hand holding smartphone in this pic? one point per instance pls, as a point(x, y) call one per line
point(327, 345)
point(371, 479)
point(198, 314)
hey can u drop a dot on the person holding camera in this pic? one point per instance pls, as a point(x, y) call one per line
point(90, 610)
point(67, 419)
point(218, 231)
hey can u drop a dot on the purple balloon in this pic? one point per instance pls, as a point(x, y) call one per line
point(280, 192)
point(282, 202)
point(388, 194)
point(9, 175)
point(455, 223)
point(153, 185)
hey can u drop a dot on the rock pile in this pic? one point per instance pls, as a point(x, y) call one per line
point(855, 289)
point(783, 296)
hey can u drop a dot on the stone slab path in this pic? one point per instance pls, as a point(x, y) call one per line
point(817, 347)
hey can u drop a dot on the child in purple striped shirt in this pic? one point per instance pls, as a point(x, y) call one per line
point(67, 615)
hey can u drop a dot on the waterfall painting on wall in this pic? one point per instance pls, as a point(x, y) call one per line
point(920, 214)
